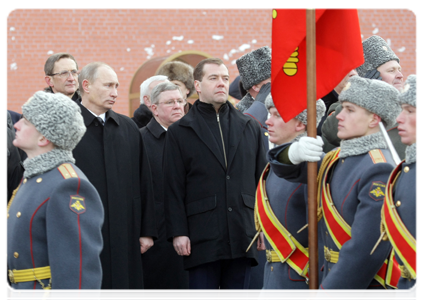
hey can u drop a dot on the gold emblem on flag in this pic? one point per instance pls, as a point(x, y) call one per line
point(290, 67)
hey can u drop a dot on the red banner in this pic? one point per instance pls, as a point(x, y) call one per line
point(338, 51)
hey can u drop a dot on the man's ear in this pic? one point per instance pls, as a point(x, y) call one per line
point(43, 141)
point(85, 85)
point(256, 88)
point(197, 86)
point(374, 122)
point(147, 101)
point(49, 81)
point(299, 126)
point(154, 109)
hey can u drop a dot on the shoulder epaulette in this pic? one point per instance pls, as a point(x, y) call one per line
point(377, 156)
point(67, 171)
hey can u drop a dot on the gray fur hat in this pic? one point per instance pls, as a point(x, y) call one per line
point(56, 117)
point(177, 70)
point(376, 96)
point(408, 92)
point(254, 67)
point(376, 52)
point(302, 116)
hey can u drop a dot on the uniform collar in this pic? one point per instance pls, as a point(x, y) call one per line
point(410, 154)
point(46, 162)
point(362, 145)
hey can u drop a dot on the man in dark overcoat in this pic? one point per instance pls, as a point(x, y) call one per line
point(163, 268)
point(113, 158)
point(213, 159)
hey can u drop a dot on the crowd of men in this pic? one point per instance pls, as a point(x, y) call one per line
point(175, 197)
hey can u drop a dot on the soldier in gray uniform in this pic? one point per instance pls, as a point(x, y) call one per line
point(399, 210)
point(55, 216)
point(288, 202)
point(351, 186)
point(380, 63)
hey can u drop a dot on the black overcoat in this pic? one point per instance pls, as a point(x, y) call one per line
point(114, 160)
point(163, 267)
point(211, 204)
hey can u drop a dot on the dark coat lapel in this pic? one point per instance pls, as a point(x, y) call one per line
point(236, 131)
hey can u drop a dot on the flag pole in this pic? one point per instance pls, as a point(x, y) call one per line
point(312, 132)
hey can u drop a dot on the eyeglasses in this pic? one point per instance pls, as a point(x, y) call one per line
point(66, 74)
point(181, 102)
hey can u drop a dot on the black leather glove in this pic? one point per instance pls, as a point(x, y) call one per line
point(264, 91)
point(373, 74)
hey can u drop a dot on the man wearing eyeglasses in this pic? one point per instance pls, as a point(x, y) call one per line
point(61, 75)
point(162, 267)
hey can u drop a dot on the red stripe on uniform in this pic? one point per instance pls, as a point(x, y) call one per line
point(406, 250)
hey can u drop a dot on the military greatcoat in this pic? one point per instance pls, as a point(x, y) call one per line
point(55, 221)
point(357, 184)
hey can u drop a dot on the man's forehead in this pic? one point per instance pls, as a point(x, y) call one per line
point(155, 83)
point(390, 64)
point(65, 63)
point(169, 95)
point(214, 69)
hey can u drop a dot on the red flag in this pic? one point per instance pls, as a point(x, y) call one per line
point(338, 51)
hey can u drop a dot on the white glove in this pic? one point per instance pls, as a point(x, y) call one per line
point(306, 149)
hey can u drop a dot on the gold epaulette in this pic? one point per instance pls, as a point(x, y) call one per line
point(377, 156)
point(67, 171)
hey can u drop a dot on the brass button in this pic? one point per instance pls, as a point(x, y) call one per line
point(406, 169)
point(266, 133)
point(327, 233)
point(39, 180)
point(16, 254)
point(8, 216)
point(398, 203)
point(342, 161)
point(25, 180)
point(18, 214)
point(271, 269)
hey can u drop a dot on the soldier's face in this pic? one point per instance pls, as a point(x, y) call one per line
point(407, 124)
point(27, 136)
point(279, 131)
point(353, 121)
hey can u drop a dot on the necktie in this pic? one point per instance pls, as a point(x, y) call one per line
point(100, 120)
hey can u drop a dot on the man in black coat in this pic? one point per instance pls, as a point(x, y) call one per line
point(163, 268)
point(213, 159)
point(113, 158)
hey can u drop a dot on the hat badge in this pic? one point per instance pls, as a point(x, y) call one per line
point(384, 48)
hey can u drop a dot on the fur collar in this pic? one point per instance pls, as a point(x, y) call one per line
point(410, 154)
point(362, 145)
point(245, 103)
point(46, 162)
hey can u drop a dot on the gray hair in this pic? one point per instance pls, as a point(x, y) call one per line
point(146, 83)
point(163, 87)
point(89, 72)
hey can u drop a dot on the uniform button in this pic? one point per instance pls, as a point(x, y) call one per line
point(271, 269)
point(25, 180)
point(327, 233)
point(342, 161)
point(18, 214)
point(329, 269)
point(39, 180)
point(8, 216)
point(228, 177)
point(230, 208)
point(16, 254)
point(398, 203)
point(406, 169)
point(266, 134)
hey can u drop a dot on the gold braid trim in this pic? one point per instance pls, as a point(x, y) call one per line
point(325, 162)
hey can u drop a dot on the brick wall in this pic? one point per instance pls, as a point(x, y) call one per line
point(125, 39)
